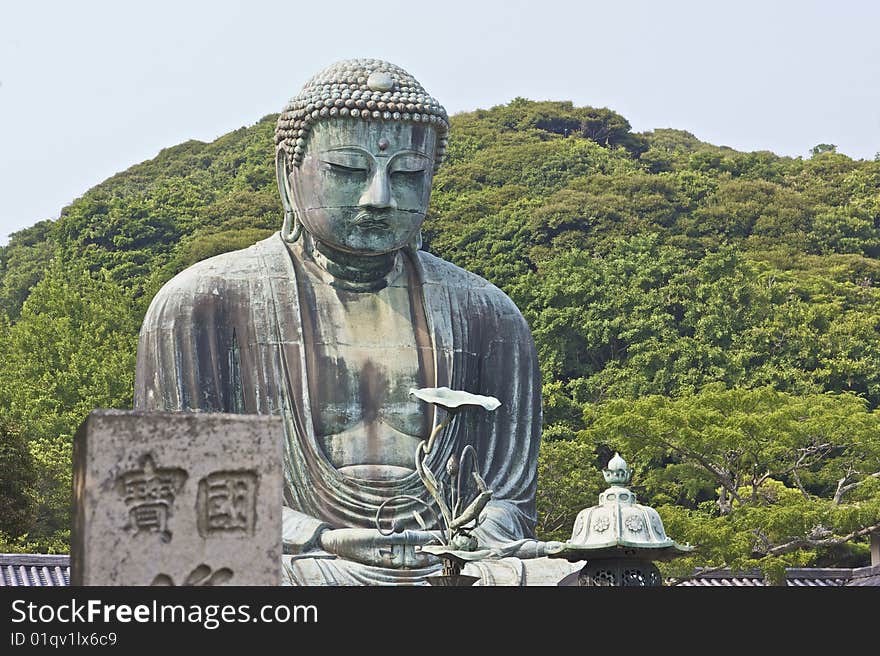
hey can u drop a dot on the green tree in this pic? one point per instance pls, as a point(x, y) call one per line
point(17, 507)
point(23, 263)
point(753, 477)
point(71, 350)
point(821, 148)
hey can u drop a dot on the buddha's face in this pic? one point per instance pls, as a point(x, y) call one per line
point(364, 186)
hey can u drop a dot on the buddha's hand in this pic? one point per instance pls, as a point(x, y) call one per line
point(368, 546)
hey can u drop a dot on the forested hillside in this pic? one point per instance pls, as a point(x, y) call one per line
point(712, 314)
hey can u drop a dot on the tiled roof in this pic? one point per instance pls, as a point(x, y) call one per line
point(797, 578)
point(34, 569)
point(44, 570)
point(817, 577)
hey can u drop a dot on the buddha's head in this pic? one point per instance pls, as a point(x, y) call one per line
point(356, 152)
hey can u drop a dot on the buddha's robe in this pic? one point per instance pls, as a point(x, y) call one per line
point(227, 335)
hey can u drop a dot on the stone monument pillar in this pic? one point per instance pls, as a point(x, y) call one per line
point(165, 498)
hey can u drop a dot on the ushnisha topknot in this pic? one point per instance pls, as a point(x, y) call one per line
point(361, 90)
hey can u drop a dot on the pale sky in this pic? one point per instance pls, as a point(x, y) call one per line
point(90, 87)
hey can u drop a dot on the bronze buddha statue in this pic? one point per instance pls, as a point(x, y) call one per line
point(333, 320)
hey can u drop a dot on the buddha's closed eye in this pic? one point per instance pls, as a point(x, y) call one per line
point(409, 163)
point(346, 162)
point(407, 172)
point(344, 170)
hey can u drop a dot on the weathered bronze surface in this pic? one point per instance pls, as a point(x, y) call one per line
point(332, 321)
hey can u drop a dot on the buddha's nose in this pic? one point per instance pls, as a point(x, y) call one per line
point(378, 194)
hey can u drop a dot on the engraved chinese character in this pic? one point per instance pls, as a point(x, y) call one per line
point(227, 503)
point(149, 493)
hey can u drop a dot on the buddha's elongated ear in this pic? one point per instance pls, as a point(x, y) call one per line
point(281, 177)
point(291, 228)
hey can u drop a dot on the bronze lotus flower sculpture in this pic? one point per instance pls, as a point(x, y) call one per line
point(455, 521)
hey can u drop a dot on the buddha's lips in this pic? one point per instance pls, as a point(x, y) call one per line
point(370, 220)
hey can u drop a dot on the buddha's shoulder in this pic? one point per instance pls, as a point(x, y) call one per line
point(219, 276)
point(441, 272)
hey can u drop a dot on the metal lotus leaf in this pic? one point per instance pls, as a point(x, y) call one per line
point(453, 399)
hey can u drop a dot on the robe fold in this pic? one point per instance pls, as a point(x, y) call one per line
point(226, 335)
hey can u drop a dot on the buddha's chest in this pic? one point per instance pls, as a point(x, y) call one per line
point(365, 363)
point(364, 354)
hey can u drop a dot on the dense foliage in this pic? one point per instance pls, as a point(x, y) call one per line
point(712, 314)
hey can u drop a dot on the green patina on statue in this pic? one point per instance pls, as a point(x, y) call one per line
point(331, 322)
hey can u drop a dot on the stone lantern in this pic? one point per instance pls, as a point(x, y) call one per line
point(619, 539)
